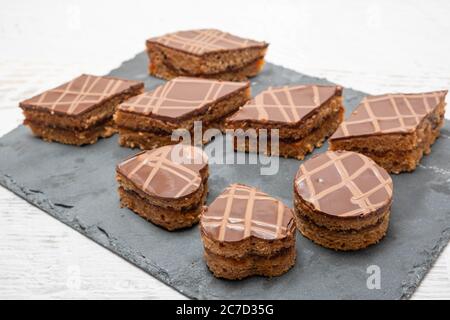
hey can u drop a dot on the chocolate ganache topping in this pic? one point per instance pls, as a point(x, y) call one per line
point(240, 212)
point(181, 97)
point(344, 184)
point(203, 41)
point(167, 172)
point(79, 95)
point(288, 104)
point(389, 113)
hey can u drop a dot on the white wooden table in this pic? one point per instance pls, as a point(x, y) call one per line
point(374, 46)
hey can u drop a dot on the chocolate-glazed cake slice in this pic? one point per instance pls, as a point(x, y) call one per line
point(304, 115)
point(395, 130)
point(205, 53)
point(342, 200)
point(148, 120)
point(79, 111)
point(167, 186)
point(246, 232)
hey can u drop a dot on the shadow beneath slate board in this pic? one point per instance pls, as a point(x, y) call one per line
point(77, 186)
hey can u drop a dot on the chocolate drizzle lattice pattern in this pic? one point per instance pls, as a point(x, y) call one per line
point(288, 104)
point(390, 113)
point(180, 96)
point(241, 211)
point(358, 183)
point(204, 41)
point(157, 173)
point(78, 95)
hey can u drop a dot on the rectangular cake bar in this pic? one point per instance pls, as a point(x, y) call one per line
point(395, 130)
point(148, 120)
point(79, 111)
point(205, 53)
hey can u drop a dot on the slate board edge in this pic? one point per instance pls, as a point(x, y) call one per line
point(93, 232)
point(419, 271)
point(98, 235)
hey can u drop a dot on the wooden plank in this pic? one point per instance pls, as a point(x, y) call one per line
point(393, 47)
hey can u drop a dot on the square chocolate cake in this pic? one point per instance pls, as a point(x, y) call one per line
point(148, 120)
point(205, 53)
point(395, 130)
point(304, 116)
point(79, 111)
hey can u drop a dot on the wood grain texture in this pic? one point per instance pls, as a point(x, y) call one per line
point(374, 46)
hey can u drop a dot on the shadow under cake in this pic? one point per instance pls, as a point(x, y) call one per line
point(342, 200)
point(148, 120)
point(395, 130)
point(167, 186)
point(304, 116)
point(205, 53)
point(79, 111)
point(246, 232)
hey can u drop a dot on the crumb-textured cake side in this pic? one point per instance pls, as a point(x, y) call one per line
point(342, 200)
point(395, 130)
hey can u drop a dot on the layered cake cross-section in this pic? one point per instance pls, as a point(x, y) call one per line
point(167, 186)
point(205, 53)
point(395, 130)
point(79, 111)
point(342, 200)
point(148, 120)
point(246, 232)
point(304, 116)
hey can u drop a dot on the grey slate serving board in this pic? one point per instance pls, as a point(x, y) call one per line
point(77, 186)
